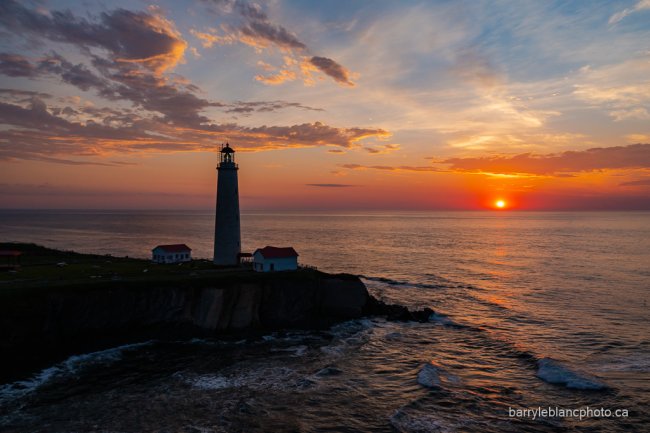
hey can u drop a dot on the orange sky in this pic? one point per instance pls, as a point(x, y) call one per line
point(329, 106)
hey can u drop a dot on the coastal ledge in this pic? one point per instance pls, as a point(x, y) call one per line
point(61, 303)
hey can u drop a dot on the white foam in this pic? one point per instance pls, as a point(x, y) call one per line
point(429, 376)
point(297, 350)
point(637, 365)
point(442, 319)
point(72, 365)
point(253, 378)
point(551, 371)
point(405, 422)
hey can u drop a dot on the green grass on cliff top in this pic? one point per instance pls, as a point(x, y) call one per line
point(44, 268)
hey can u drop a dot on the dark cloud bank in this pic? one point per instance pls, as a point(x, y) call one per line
point(128, 58)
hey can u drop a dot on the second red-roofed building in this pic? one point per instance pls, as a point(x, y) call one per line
point(271, 259)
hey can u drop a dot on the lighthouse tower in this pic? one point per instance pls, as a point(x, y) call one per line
point(227, 237)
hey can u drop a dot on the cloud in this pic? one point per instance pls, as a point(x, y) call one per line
point(382, 150)
point(210, 39)
point(621, 88)
point(20, 95)
point(391, 168)
point(241, 107)
point(281, 77)
point(77, 75)
point(34, 132)
point(620, 157)
point(618, 16)
point(259, 32)
point(262, 33)
point(638, 138)
point(641, 182)
point(331, 185)
point(146, 39)
point(128, 56)
point(333, 69)
point(15, 65)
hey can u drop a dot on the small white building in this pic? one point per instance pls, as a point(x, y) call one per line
point(270, 259)
point(177, 253)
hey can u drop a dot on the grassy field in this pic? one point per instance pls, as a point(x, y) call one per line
point(42, 268)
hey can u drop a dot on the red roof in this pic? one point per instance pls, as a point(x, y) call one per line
point(277, 253)
point(10, 253)
point(176, 248)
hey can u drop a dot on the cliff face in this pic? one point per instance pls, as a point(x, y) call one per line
point(38, 330)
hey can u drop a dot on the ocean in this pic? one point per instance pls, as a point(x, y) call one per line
point(533, 311)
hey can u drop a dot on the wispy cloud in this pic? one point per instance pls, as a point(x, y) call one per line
point(623, 89)
point(641, 182)
point(331, 185)
point(639, 6)
point(259, 32)
point(391, 168)
point(620, 157)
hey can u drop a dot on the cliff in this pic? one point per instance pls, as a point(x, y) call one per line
point(40, 327)
point(49, 311)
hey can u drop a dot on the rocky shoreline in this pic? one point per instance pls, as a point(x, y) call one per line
point(43, 325)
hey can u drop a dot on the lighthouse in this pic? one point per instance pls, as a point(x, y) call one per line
point(227, 237)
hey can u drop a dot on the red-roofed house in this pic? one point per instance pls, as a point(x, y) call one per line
point(269, 259)
point(176, 253)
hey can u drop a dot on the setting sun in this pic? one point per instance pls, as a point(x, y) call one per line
point(500, 204)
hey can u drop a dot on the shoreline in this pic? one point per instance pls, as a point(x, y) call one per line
point(50, 311)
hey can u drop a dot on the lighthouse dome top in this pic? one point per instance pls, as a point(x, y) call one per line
point(227, 149)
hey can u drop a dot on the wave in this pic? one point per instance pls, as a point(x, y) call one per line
point(443, 284)
point(639, 364)
point(552, 371)
point(402, 421)
point(348, 336)
point(392, 282)
point(443, 319)
point(296, 351)
point(71, 366)
point(264, 378)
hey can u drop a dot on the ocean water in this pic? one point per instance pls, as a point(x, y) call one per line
point(532, 310)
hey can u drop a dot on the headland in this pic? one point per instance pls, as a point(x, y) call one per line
point(57, 303)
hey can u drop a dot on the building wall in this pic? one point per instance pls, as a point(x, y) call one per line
point(227, 237)
point(159, 256)
point(260, 264)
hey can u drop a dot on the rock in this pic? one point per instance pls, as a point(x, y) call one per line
point(396, 313)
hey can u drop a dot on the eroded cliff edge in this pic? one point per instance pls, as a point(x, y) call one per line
point(43, 325)
point(61, 303)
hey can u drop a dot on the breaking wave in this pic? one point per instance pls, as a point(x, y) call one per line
point(71, 366)
point(551, 371)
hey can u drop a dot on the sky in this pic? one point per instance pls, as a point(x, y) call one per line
point(422, 105)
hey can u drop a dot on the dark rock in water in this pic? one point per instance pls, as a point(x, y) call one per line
point(396, 313)
point(329, 371)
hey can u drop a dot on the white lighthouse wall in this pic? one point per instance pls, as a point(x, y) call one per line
point(227, 237)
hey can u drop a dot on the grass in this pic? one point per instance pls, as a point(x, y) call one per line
point(44, 268)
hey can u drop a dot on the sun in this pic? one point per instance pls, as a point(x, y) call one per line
point(500, 204)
